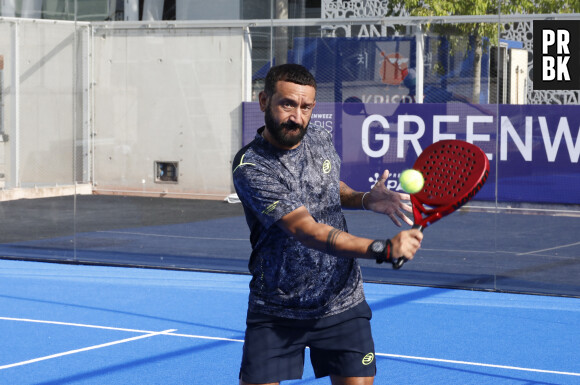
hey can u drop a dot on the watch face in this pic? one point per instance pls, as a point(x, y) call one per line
point(377, 247)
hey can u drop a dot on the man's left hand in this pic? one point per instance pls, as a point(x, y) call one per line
point(382, 200)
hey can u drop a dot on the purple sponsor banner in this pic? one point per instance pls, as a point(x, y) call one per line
point(533, 149)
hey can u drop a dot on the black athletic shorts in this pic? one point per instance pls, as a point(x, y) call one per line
point(340, 345)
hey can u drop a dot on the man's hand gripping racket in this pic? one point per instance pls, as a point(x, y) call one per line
point(454, 172)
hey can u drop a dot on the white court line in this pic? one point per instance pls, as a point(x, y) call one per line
point(478, 364)
point(118, 329)
point(74, 324)
point(85, 349)
point(551, 248)
point(205, 337)
point(170, 333)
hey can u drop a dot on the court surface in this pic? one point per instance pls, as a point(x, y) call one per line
point(154, 291)
point(71, 324)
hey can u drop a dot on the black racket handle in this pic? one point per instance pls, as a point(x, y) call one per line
point(399, 262)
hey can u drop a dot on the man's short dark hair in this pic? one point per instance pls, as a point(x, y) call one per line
point(293, 73)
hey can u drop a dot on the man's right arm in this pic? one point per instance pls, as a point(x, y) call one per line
point(302, 226)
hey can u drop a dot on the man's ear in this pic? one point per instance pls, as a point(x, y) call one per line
point(263, 99)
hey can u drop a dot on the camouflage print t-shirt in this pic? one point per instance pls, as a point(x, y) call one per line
point(289, 279)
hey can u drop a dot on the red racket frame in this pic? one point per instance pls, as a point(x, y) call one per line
point(454, 172)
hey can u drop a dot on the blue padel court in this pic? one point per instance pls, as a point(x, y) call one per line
point(69, 324)
point(127, 290)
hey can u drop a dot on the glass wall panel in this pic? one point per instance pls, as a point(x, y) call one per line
point(39, 159)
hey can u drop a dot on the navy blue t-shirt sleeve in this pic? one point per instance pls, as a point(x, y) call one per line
point(263, 192)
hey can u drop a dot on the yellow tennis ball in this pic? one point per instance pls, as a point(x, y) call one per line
point(411, 181)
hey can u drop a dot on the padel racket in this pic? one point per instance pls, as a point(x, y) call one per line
point(454, 172)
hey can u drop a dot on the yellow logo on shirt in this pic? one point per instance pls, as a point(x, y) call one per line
point(326, 166)
point(270, 208)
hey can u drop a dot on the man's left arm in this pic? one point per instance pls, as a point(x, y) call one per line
point(379, 199)
point(349, 198)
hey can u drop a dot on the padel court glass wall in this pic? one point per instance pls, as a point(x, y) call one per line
point(117, 139)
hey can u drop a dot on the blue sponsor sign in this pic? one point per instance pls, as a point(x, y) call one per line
point(533, 149)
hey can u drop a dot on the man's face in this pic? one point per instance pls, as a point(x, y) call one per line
point(287, 113)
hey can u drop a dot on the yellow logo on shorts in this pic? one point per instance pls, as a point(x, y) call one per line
point(326, 166)
point(368, 359)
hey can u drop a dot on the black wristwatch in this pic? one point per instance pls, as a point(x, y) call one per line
point(381, 250)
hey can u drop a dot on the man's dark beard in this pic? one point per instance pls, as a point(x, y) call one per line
point(280, 131)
